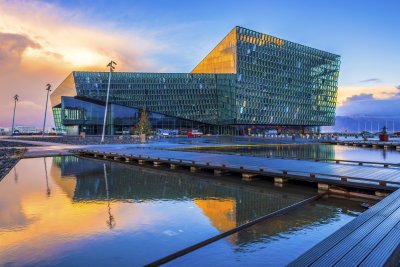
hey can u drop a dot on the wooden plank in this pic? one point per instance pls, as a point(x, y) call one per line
point(360, 174)
point(359, 252)
point(349, 241)
point(389, 204)
point(387, 252)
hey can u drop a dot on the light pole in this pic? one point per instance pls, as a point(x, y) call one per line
point(393, 126)
point(45, 111)
point(111, 66)
point(15, 106)
point(111, 220)
point(48, 191)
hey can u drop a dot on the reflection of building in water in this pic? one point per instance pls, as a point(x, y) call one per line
point(127, 182)
point(318, 213)
point(317, 151)
point(221, 212)
point(66, 182)
point(226, 206)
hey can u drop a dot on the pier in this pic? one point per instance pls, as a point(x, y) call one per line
point(366, 175)
point(372, 144)
point(369, 240)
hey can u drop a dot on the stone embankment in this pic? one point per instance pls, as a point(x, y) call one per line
point(88, 140)
point(8, 158)
point(11, 144)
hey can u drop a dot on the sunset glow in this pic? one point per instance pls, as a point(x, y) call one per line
point(60, 38)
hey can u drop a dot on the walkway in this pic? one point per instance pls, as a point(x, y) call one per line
point(371, 239)
point(42, 149)
point(320, 172)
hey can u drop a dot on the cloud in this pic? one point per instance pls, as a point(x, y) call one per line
point(371, 80)
point(42, 43)
point(68, 36)
point(378, 92)
point(380, 103)
point(12, 46)
point(385, 108)
point(359, 97)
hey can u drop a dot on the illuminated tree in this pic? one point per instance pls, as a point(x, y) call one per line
point(144, 126)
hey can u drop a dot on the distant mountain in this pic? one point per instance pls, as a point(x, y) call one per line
point(363, 123)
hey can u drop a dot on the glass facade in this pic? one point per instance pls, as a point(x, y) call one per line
point(249, 78)
point(284, 83)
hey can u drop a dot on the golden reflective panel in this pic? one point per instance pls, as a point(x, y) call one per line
point(222, 59)
point(68, 89)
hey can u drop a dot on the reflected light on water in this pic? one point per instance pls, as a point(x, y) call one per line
point(68, 211)
point(314, 151)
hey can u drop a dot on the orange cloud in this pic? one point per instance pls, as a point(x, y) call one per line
point(377, 92)
point(45, 47)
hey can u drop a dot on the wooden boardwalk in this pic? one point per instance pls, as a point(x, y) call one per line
point(371, 239)
point(371, 177)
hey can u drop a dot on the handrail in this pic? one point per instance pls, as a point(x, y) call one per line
point(208, 241)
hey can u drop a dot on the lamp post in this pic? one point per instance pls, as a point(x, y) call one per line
point(111, 220)
point(48, 191)
point(15, 106)
point(45, 111)
point(111, 66)
point(393, 126)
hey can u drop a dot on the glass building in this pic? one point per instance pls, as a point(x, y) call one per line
point(249, 80)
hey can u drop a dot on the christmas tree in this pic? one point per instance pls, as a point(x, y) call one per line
point(144, 126)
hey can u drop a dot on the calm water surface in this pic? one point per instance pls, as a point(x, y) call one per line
point(276, 242)
point(66, 211)
point(315, 151)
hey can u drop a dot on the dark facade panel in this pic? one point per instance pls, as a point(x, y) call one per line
point(77, 115)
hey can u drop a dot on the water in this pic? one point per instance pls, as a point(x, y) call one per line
point(275, 242)
point(66, 211)
point(313, 151)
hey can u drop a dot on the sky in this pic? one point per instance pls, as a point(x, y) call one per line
point(43, 41)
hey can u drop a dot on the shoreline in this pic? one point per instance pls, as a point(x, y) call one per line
point(9, 157)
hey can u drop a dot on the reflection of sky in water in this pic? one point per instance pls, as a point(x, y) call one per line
point(315, 151)
point(367, 154)
point(75, 215)
point(275, 242)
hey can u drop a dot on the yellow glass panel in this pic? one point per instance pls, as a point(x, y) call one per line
point(222, 59)
point(67, 88)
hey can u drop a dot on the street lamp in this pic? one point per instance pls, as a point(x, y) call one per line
point(48, 191)
point(111, 220)
point(111, 66)
point(45, 111)
point(15, 106)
